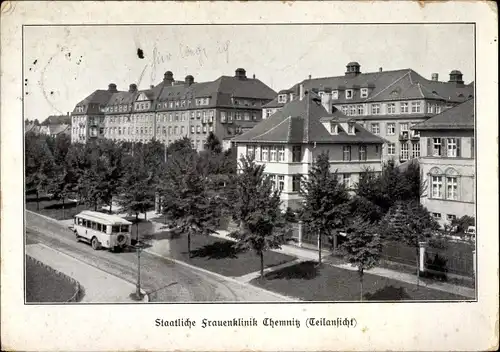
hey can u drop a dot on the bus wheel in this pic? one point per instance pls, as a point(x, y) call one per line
point(95, 243)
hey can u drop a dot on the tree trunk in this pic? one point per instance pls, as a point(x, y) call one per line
point(145, 216)
point(95, 205)
point(319, 248)
point(262, 265)
point(111, 205)
point(63, 208)
point(361, 284)
point(37, 201)
point(418, 269)
point(189, 244)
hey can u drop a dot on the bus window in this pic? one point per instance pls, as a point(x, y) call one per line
point(99, 227)
point(124, 228)
point(80, 221)
point(76, 221)
point(116, 229)
point(94, 226)
point(84, 223)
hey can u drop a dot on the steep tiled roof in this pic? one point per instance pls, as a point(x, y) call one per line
point(300, 121)
point(122, 98)
point(392, 85)
point(57, 119)
point(458, 117)
point(56, 129)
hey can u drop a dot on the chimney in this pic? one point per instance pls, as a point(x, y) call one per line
point(132, 88)
point(253, 76)
point(380, 69)
point(112, 88)
point(310, 76)
point(67, 113)
point(151, 86)
point(352, 69)
point(240, 73)
point(168, 78)
point(301, 91)
point(189, 80)
point(435, 77)
point(456, 77)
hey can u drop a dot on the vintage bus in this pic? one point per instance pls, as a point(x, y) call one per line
point(102, 230)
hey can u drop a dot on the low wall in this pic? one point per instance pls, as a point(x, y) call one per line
point(78, 289)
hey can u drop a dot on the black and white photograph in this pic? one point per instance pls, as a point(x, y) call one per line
point(260, 165)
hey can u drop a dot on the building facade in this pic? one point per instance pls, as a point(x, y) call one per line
point(290, 140)
point(387, 103)
point(173, 110)
point(448, 163)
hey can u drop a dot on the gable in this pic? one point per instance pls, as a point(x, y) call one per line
point(142, 97)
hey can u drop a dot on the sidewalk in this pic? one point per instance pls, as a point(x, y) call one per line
point(99, 286)
point(304, 254)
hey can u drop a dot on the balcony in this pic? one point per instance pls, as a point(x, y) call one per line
point(404, 136)
point(415, 137)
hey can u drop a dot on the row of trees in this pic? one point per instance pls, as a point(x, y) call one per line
point(197, 189)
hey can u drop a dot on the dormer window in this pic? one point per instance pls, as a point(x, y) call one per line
point(350, 128)
point(349, 93)
point(282, 98)
point(334, 128)
point(364, 92)
point(335, 94)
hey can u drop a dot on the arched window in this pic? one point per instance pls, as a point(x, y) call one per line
point(436, 182)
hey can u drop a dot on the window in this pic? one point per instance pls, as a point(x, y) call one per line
point(273, 154)
point(182, 130)
point(403, 127)
point(361, 109)
point(430, 108)
point(415, 149)
point(192, 129)
point(272, 178)
point(251, 151)
point(350, 128)
point(238, 116)
point(344, 109)
point(436, 147)
point(404, 151)
point(348, 94)
point(391, 108)
point(362, 152)
point(451, 188)
point(375, 109)
point(296, 153)
point(281, 154)
point(265, 153)
point(415, 107)
point(346, 180)
point(404, 107)
point(452, 147)
point(346, 151)
point(375, 127)
point(352, 110)
point(296, 183)
point(436, 216)
point(198, 129)
point(335, 94)
point(282, 98)
point(364, 92)
point(281, 182)
point(451, 217)
point(254, 116)
point(269, 112)
point(438, 109)
point(222, 116)
point(436, 186)
point(334, 128)
point(246, 116)
point(414, 133)
point(391, 129)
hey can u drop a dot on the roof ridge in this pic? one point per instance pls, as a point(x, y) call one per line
point(362, 73)
point(383, 90)
point(274, 127)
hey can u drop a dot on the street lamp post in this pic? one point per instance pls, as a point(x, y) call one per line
point(138, 285)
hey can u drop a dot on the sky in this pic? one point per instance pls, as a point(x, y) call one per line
point(64, 64)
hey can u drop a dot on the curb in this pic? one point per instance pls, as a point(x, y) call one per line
point(228, 278)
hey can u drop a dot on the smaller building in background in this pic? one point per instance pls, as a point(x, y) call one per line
point(289, 141)
point(448, 163)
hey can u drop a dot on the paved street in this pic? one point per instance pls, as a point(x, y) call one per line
point(162, 279)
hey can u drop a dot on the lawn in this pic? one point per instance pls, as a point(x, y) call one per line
point(221, 256)
point(53, 208)
point(328, 283)
point(44, 285)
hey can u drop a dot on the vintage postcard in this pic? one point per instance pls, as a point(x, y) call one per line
point(259, 176)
